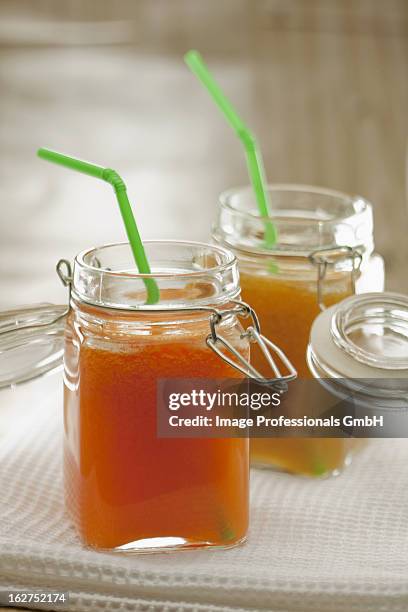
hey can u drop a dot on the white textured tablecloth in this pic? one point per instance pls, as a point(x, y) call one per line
point(339, 545)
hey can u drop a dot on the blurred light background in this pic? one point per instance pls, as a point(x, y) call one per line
point(324, 83)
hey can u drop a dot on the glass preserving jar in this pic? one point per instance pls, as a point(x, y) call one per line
point(126, 488)
point(324, 253)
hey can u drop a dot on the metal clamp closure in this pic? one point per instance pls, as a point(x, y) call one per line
point(64, 271)
point(253, 333)
point(325, 258)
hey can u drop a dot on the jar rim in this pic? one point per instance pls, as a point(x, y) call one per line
point(226, 196)
point(186, 272)
point(307, 219)
point(230, 260)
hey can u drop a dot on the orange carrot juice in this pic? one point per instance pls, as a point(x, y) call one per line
point(286, 310)
point(123, 483)
point(126, 488)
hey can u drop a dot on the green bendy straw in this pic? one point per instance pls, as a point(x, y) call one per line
point(113, 178)
point(253, 155)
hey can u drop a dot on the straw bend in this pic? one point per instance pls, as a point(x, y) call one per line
point(113, 178)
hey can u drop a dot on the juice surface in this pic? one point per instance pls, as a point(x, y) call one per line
point(125, 485)
point(286, 309)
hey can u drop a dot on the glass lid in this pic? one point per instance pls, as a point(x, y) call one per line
point(373, 329)
point(363, 336)
point(31, 342)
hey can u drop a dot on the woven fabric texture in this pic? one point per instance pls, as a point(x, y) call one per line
point(339, 545)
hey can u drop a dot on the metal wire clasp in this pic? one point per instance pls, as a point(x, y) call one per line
point(324, 258)
point(64, 272)
point(215, 341)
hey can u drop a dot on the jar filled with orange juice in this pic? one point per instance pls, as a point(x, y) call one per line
point(128, 488)
point(324, 253)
